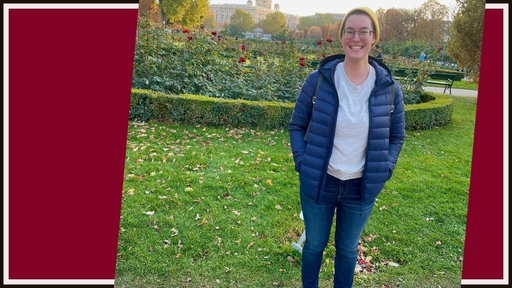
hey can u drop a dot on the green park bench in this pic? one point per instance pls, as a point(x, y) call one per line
point(447, 84)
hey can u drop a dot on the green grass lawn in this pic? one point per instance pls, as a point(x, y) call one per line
point(219, 207)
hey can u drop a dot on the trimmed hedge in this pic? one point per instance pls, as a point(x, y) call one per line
point(428, 115)
point(147, 105)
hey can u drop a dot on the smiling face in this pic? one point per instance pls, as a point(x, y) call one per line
point(354, 47)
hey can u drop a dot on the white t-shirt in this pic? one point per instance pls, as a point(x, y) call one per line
point(351, 136)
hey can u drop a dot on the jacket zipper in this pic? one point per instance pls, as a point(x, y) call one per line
point(363, 190)
point(331, 138)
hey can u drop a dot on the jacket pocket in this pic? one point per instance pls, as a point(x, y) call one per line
point(390, 171)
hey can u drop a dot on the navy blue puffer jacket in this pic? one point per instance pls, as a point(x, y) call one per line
point(385, 136)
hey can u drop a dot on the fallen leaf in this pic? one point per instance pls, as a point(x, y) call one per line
point(369, 238)
point(269, 182)
point(278, 207)
point(250, 245)
point(149, 213)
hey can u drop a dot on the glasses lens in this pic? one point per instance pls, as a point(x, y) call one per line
point(349, 33)
point(364, 33)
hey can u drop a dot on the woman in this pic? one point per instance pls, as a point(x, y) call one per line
point(346, 149)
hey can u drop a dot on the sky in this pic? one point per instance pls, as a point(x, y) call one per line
point(310, 7)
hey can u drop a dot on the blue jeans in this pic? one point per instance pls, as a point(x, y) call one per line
point(344, 197)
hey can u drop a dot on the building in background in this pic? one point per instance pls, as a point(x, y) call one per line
point(259, 12)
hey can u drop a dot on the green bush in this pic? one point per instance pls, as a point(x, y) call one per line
point(140, 109)
point(204, 110)
point(199, 63)
point(147, 105)
point(429, 114)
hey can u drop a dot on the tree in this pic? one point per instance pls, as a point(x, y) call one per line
point(324, 18)
point(382, 24)
point(239, 22)
point(185, 12)
point(314, 32)
point(209, 20)
point(318, 20)
point(305, 23)
point(149, 9)
point(431, 22)
point(328, 31)
point(275, 24)
point(465, 45)
point(397, 24)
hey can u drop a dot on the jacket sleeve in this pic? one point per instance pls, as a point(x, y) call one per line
point(300, 118)
point(397, 129)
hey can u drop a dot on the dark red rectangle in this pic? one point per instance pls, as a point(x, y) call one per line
point(69, 90)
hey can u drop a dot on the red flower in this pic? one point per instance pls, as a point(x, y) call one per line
point(302, 64)
point(328, 40)
point(214, 33)
point(190, 38)
point(323, 55)
point(185, 31)
point(302, 59)
point(241, 60)
point(319, 42)
point(243, 47)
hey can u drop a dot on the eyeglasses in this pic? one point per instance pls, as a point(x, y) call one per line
point(364, 34)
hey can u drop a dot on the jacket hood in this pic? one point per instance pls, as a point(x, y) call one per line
point(383, 74)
